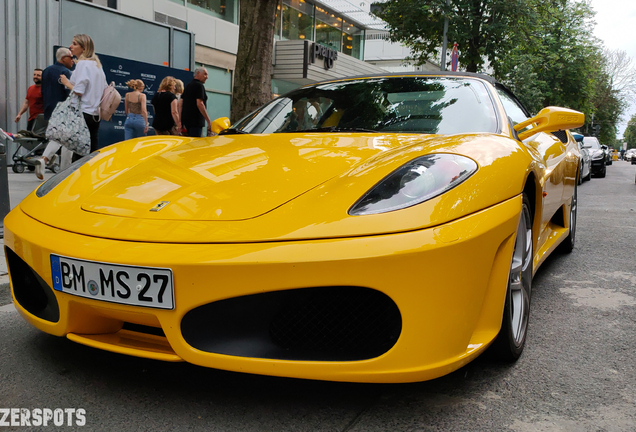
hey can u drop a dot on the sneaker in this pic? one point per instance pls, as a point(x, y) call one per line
point(52, 161)
point(39, 168)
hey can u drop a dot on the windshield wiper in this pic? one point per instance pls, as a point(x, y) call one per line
point(232, 131)
point(337, 129)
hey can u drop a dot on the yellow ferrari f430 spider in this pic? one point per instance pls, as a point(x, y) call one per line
point(369, 229)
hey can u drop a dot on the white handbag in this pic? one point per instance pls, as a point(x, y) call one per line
point(68, 127)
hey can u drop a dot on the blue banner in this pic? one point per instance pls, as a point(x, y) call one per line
point(120, 70)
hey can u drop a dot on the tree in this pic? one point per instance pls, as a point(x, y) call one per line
point(482, 28)
point(622, 72)
point(554, 60)
point(558, 61)
point(253, 73)
point(629, 136)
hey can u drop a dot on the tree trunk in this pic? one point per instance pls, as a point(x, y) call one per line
point(253, 74)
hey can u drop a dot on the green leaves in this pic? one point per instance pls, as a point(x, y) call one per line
point(544, 50)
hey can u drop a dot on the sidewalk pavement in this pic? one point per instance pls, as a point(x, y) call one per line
point(20, 185)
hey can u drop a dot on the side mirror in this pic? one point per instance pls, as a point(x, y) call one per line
point(551, 119)
point(220, 124)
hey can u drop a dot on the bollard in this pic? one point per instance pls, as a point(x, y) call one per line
point(5, 205)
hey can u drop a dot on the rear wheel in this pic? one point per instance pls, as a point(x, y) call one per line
point(18, 168)
point(512, 337)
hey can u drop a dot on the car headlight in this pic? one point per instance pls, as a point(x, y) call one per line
point(415, 182)
point(597, 156)
point(48, 185)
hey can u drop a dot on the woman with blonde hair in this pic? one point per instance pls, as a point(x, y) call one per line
point(166, 121)
point(178, 88)
point(87, 83)
point(136, 124)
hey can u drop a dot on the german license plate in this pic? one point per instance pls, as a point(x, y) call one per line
point(116, 283)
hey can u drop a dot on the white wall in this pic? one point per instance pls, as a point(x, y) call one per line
point(380, 49)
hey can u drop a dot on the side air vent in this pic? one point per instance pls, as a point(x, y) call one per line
point(171, 21)
point(561, 135)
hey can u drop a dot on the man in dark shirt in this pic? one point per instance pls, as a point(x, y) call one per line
point(33, 100)
point(194, 114)
point(52, 90)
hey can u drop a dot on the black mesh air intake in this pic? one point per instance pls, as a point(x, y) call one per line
point(30, 290)
point(326, 323)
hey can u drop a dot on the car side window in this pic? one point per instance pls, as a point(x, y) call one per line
point(513, 109)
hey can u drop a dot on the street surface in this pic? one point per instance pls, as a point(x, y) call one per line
point(577, 373)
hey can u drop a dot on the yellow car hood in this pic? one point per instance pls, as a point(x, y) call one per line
point(226, 178)
point(252, 188)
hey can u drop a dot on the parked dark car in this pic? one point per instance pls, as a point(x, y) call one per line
point(597, 155)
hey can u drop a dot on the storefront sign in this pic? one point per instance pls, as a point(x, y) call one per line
point(329, 55)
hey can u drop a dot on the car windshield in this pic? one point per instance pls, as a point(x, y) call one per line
point(591, 142)
point(431, 105)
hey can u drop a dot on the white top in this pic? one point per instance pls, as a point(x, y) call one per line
point(89, 81)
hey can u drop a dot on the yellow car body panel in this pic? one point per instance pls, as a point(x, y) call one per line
point(121, 203)
point(235, 216)
point(432, 307)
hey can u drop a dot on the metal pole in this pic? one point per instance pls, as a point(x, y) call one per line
point(442, 67)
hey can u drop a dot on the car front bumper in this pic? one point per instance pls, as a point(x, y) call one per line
point(598, 166)
point(448, 283)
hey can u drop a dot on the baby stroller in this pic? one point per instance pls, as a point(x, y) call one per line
point(31, 145)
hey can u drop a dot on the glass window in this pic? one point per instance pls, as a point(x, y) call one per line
point(328, 29)
point(219, 79)
point(430, 105)
point(513, 109)
point(298, 20)
point(224, 9)
point(181, 2)
point(219, 105)
point(352, 40)
point(591, 142)
point(280, 87)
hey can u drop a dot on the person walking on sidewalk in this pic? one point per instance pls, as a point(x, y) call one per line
point(54, 92)
point(194, 114)
point(33, 101)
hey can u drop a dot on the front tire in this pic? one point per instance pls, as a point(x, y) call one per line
point(512, 337)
